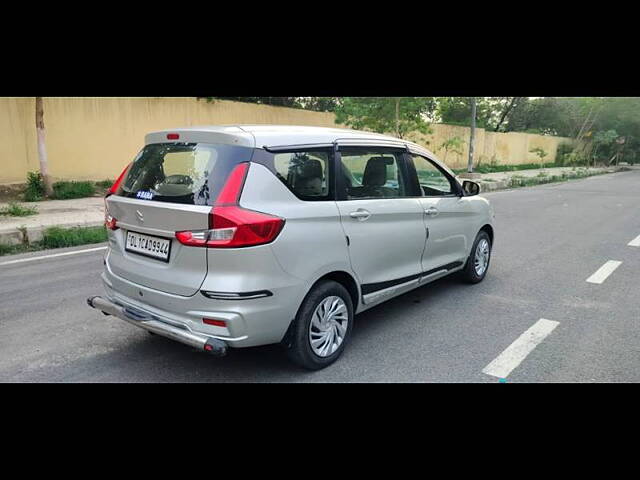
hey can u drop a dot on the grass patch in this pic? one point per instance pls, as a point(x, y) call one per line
point(15, 249)
point(505, 168)
point(35, 187)
point(67, 190)
point(104, 183)
point(17, 210)
point(56, 237)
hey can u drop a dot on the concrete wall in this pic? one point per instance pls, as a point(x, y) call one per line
point(504, 148)
point(94, 138)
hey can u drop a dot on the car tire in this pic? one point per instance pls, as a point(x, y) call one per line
point(322, 327)
point(471, 273)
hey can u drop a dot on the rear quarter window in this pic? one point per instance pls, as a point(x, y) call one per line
point(306, 173)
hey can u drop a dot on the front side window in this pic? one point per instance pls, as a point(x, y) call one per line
point(305, 173)
point(433, 182)
point(372, 173)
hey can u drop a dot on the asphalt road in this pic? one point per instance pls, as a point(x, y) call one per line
point(549, 241)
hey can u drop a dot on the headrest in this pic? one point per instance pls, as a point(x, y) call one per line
point(310, 168)
point(375, 173)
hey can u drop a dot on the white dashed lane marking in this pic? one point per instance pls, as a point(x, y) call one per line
point(44, 257)
point(515, 353)
point(635, 242)
point(604, 271)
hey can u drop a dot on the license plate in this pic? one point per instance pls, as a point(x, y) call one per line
point(150, 246)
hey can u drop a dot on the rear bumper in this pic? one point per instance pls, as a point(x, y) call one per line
point(155, 324)
point(250, 320)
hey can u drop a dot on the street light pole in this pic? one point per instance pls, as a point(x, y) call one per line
point(473, 134)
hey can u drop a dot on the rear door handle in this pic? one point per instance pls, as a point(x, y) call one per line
point(431, 211)
point(360, 214)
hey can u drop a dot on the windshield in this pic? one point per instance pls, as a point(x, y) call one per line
point(188, 173)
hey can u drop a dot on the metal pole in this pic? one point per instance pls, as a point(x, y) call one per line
point(473, 134)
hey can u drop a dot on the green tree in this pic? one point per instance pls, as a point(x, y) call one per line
point(540, 152)
point(492, 113)
point(319, 104)
point(605, 142)
point(453, 144)
point(397, 115)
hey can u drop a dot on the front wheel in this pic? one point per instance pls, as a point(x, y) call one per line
point(478, 261)
point(322, 326)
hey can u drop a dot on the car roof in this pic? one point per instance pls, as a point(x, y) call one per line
point(274, 136)
point(260, 136)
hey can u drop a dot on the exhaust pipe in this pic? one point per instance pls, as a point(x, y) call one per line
point(152, 323)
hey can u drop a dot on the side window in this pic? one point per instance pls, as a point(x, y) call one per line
point(432, 181)
point(305, 173)
point(372, 173)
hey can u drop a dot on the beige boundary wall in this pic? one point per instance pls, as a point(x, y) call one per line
point(94, 138)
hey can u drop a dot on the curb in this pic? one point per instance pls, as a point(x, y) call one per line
point(488, 186)
point(27, 235)
point(493, 185)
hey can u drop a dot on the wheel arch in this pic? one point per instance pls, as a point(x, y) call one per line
point(340, 276)
point(347, 281)
point(489, 229)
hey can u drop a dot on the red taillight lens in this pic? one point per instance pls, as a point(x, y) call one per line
point(114, 187)
point(230, 193)
point(231, 226)
point(172, 136)
point(110, 222)
point(193, 239)
point(237, 227)
point(234, 227)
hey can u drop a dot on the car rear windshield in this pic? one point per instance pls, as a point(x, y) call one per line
point(188, 173)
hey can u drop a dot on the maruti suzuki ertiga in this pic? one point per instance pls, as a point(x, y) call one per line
point(235, 236)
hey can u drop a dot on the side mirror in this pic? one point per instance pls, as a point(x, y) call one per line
point(470, 188)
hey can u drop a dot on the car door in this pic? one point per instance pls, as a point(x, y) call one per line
point(447, 216)
point(382, 219)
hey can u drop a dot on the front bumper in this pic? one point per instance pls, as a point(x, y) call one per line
point(154, 324)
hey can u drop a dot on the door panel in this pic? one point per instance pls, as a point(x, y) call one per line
point(388, 244)
point(384, 225)
point(447, 239)
point(446, 216)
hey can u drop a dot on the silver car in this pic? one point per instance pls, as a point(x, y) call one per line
point(244, 235)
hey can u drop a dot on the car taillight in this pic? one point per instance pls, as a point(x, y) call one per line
point(231, 226)
point(110, 222)
point(114, 187)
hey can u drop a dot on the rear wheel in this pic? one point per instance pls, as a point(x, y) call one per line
point(322, 326)
point(478, 261)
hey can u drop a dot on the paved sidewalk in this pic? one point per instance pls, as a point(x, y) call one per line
point(87, 212)
point(501, 180)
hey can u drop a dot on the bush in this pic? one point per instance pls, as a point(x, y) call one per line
point(564, 150)
point(492, 168)
point(56, 237)
point(66, 190)
point(17, 210)
point(576, 159)
point(104, 183)
point(35, 187)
